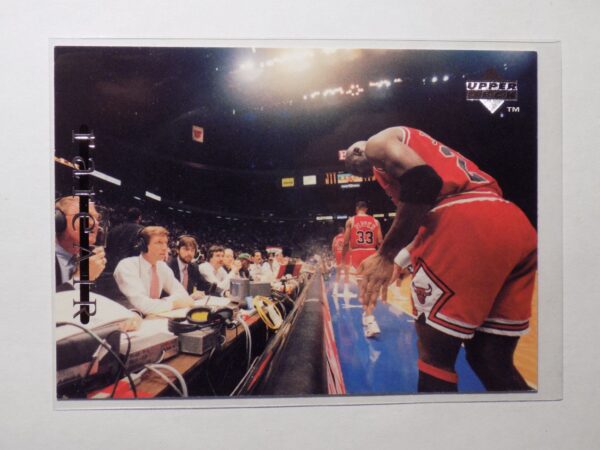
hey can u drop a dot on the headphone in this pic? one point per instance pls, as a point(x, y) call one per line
point(141, 244)
point(201, 317)
point(268, 312)
point(60, 220)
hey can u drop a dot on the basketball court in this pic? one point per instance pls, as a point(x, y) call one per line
point(388, 363)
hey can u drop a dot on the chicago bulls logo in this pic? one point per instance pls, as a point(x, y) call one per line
point(421, 292)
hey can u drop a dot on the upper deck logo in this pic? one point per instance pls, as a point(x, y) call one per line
point(492, 94)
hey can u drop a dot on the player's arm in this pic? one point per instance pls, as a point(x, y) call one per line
point(419, 187)
point(346, 246)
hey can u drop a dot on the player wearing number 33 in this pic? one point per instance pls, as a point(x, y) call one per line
point(472, 255)
point(362, 237)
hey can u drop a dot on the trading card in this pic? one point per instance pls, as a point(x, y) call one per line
point(279, 223)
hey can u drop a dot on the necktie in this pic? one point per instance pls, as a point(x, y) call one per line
point(185, 277)
point(154, 285)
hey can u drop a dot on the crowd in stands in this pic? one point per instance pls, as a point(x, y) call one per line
point(140, 256)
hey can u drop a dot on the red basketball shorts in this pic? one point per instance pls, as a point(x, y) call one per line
point(474, 263)
point(338, 259)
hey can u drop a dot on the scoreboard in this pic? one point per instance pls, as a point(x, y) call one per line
point(343, 179)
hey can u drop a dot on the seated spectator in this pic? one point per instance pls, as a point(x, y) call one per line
point(187, 272)
point(228, 261)
point(244, 263)
point(259, 270)
point(212, 270)
point(67, 243)
point(142, 278)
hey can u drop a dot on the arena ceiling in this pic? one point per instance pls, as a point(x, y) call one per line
point(270, 113)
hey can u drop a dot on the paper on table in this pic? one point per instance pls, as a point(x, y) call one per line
point(107, 311)
point(208, 302)
point(212, 301)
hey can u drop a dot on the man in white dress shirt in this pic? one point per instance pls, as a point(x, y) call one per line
point(142, 278)
point(259, 270)
point(212, 270)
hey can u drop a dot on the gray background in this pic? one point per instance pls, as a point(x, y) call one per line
point(27, 417)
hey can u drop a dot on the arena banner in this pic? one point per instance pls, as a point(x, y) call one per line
point(416, 181)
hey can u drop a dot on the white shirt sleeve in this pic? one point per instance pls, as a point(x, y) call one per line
point(127, 276)
point(207, 271)
point(267, 273)
point(224, 279)
point(170, 284)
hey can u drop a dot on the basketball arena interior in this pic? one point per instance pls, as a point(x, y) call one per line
point(243, 149)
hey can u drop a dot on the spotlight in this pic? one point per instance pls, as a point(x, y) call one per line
point(434, 79)
point(247, 65)
point(446, 77)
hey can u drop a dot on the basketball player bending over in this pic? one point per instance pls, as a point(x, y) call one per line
point(472, 254)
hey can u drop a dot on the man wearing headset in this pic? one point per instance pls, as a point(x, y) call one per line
point(67, 243)
point(472, 255)
point(142, 278)
point(186, 270)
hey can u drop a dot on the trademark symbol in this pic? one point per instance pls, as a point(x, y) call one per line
point(512, 109)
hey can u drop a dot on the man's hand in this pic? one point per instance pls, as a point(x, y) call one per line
point(197, 295)
point(185, 302)
point(97, 263)
point(375, 275)
point(131, 324)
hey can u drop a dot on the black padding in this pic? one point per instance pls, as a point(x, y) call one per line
point(421, 185)
point(300, 368)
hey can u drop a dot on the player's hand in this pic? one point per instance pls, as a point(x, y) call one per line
point(375, 274)
point(185, 302)
point(97, 263)
point(398, 275)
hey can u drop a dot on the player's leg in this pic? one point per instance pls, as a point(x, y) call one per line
point(370, 325)
point(437, 355)
point(491, 351)
point(458, 273)
point(338, 268)
point(491, 357)
point(346, 274)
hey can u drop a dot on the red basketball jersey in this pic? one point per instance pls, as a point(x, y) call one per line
point(364, 232)
point(458, 173)
point(337, 246)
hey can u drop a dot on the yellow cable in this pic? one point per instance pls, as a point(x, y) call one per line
point(261, 304)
